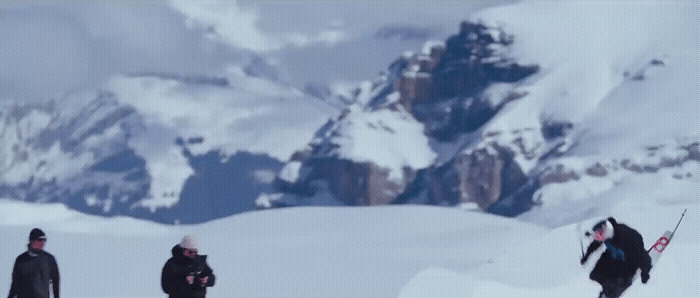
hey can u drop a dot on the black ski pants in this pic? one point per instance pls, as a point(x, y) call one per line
point(614, 276)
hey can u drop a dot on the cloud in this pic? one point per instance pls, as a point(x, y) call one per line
point(42, 53)
point(224, 20)
point(327, 37)
point(50, 49)
point(227, 22)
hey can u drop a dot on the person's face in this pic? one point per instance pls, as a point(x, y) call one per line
point(38, 244)
point(600, 235)
point(190, 253)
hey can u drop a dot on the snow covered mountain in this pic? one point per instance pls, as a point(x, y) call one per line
point(527, 100)
point(163, 147)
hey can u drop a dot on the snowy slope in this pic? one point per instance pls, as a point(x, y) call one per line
point(626, 81)
point(393, 251)
point(547, 266)
point(294, 252)
point(622, 73)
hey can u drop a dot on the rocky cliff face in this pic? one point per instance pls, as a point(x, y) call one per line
point(441, 87)
point(486, 175)
point(355, 183)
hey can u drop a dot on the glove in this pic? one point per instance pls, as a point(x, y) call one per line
point(584, 259)
point(204, 281)
point(190, 279)
point(645, 277)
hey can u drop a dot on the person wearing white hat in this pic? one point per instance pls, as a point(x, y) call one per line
point(186, 274)
point(618, 264)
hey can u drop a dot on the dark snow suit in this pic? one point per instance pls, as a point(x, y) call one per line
point(31, 276)
point(618, 264)
point(174, 277)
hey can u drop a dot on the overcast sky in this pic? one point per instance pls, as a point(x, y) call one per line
point(52, 47)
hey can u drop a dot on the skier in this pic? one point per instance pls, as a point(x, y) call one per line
point(34, 270)
point(187, 274)
point(625, 253)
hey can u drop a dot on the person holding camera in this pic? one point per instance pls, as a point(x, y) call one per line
point(186, 274)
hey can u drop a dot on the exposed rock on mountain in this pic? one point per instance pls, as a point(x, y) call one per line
point(443, 93)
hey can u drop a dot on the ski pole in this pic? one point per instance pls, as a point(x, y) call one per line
point(578, 233)
point(679, 222)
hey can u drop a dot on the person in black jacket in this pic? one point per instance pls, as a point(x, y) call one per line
point(35, 270)
point(187, 274)
point(618, 264)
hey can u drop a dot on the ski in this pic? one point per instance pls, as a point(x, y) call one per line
point(655, 253)
point(658, 248)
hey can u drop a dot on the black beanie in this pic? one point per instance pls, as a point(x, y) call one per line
point(36, 234)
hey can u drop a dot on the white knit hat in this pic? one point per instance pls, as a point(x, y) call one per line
point(607, 228)
point(190, 242)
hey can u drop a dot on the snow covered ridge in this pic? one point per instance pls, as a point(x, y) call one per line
point(148, 146)
point(72, 154)
point(522, 101)
point(508, 110)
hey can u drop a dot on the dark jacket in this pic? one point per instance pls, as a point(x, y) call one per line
point(174, 277)
point(624, 253)
point(31, 276)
